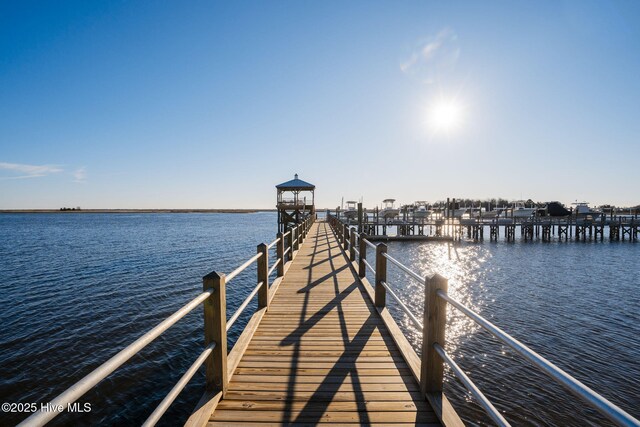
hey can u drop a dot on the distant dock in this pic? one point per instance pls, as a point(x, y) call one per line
point(448, 228)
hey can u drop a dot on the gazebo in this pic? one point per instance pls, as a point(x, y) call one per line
point(293, 202)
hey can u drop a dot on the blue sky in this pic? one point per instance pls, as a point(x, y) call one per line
point(210, 105)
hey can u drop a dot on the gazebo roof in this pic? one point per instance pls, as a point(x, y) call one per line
point(295, 184)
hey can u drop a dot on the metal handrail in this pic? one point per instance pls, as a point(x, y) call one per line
point(73, 393)
point(605, 407)
point(286, 234)
point(278, 261)
point(287, 250)
point(475, 391)
point(240, 269)
point(177, 389)
point(371, 245)
point(272, 244)
point(366, 263)
point(76, 391)
point(403, 306)
point(244, 304)
point(404, 268)
point(608, 409)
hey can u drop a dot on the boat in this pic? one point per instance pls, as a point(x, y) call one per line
point(492, 214)
point(476, 212)
point(420, 210)
point(351, 211)
point(557, 209)
point(520, 210)
point(388, 211)
point(583, 210)
point(457, 213)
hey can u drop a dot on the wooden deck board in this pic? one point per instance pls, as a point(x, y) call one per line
point(322, 354)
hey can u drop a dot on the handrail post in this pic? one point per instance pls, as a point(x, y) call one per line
point(362, 268)
point(290, 244)
point(215, 330)
point(300, 234)
point(263, 276)
point(294, 240)
point(345, 236)
point(280, 254)
point(352, 245)
point(381, 275)
point(434, 321)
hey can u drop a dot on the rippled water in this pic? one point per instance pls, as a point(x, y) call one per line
point(577, 304)
point(75, 288)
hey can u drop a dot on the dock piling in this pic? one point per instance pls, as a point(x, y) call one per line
point(280, 254)
point(433, 331)
point(352, 244)
point(263, 276)
point(362, 268)
point(215, 330)
point(381, 275)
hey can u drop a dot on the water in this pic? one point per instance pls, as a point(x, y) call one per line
point(577, 304)
point(75, 288)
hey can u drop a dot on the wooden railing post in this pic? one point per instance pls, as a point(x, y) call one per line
point(290, 244)
point(263, 276)
point(294, 239)
point(352, 245)
point(381, 275)
point(280, 254)
point(362, 267)
point(215, 330)
point(300, 234)
point(345, 236)
point(434, 321)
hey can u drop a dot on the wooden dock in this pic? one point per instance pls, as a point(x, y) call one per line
point(321, 347)
point(323, 353)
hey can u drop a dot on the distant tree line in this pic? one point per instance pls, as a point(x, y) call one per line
point(500, 202)
point(70, 209)
point(488, 203)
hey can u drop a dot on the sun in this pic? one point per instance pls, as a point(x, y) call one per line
point(445, 115)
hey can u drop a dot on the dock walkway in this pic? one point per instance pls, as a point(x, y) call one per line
point(322, 353)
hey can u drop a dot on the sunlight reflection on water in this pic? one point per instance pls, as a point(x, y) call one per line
point(547, 295)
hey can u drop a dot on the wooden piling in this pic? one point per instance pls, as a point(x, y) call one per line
point(362, 267)
point(280, 254)
point(215, 330)
point(381, 275)
point(434, 321)
point(263, 276)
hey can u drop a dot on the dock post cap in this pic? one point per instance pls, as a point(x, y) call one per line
point(437, 277)
point(214, 275)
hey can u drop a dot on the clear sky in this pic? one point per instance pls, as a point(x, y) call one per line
point(126, 104)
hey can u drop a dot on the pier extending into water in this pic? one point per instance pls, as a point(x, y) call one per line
point(322, 346)
point(614, 228)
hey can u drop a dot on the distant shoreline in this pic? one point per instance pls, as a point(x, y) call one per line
point(135, 211)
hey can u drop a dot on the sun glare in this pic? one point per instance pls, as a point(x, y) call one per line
point(445, 116)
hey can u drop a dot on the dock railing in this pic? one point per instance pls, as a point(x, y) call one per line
point(214, 356)
point(433, 327)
